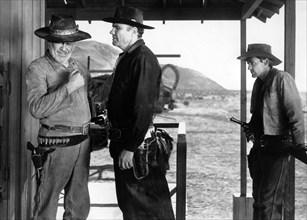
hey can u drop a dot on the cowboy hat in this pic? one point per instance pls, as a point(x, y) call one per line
point(128, 15)
point(62, 29)
point(260, 50)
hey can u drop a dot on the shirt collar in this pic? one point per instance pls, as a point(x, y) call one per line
point(132, 48)
point(270, 76)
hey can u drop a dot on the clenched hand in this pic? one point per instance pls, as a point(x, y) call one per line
point(76, 81)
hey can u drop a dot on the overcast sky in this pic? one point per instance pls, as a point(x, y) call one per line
point(212, 47)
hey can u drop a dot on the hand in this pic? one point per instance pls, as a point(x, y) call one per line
point(125, 160)
point(248, 133)
point(76, 81)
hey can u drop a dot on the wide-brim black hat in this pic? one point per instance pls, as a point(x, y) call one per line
point(260, 50)
point(62, 29)
point(128, 15)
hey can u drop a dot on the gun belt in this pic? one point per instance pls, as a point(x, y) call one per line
point(65, 141)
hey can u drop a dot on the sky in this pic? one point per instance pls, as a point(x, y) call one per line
point(212, 47)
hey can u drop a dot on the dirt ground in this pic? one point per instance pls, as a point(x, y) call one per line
point(213, 158)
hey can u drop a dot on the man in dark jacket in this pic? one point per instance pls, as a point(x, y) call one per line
point(276, 127)
point(131, 106)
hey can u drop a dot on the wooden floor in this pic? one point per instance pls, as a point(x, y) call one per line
point(103, 202)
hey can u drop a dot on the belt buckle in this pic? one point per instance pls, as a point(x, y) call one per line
point(85, 128)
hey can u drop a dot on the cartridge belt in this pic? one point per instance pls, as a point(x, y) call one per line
point(71, 129)
point(276, 139)
point(65, 141)
point(273, 140)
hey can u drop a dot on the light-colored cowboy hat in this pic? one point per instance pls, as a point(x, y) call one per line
point(62, 29)
point(260, 50)
point(128, 15)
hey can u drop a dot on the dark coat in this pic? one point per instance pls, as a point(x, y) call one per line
point(133, 96)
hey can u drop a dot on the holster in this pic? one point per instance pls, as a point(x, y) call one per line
point(140, 162)
point(154, 152)
point(39, 156)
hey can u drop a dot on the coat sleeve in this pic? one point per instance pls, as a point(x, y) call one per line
point(293, 108)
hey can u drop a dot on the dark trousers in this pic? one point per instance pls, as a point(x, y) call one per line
point(148, 198)
point(268, 170)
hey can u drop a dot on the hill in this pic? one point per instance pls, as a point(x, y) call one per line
point(103, 57)
point(190, 80)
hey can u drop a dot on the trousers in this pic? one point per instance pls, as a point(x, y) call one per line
point(140, 199)
point(268, 171)
point(66, 168)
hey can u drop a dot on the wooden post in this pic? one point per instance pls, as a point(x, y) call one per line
point(243, 109)
point(289, 66)
point(181, 173)
point(243, 203)
point(19, 46)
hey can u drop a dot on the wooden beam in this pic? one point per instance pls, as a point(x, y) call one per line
point(260, 15)
point(279, 3)
point(270, 7)
point(261, 18)
point(123, 3)
point(266, 13)
point(157, 14)
point(235, 3)
point(258, 12)
point(249, 7)
point(168, 55)
point(204, 3)
point(83, 3)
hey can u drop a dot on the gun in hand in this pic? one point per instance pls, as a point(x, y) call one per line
point(242, 123)
point(246, 129)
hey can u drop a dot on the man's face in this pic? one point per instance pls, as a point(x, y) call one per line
point(122, 35)
point(257, 67)
point(61, 52)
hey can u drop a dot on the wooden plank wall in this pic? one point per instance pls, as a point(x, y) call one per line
point(18, 20)
point(289, 66)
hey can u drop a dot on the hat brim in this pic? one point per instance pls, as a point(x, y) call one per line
point(45, 34)
point(126, 21)
point(249, 54)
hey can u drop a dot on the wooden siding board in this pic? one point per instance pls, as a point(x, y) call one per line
point(14, 108)
point(289, 66)
point(19, 48)
point(27, 51)
point(5, 7)
point(37, 49)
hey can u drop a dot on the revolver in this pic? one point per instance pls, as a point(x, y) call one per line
point(242, 123)
point(249, 135)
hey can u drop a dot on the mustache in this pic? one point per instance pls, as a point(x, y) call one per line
point(65, 52)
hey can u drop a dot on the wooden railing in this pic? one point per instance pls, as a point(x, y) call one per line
point(181, 168)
